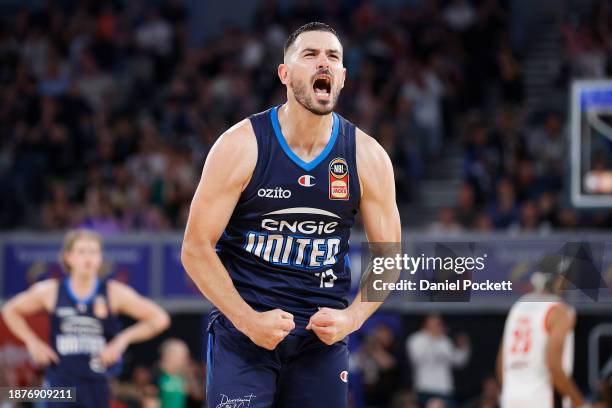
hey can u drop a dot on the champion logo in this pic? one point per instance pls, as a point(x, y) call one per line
point(306, 180)
point(344, 376)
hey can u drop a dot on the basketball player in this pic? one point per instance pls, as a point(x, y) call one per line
point(267, 237)
point(83, 309)
point(537, 351)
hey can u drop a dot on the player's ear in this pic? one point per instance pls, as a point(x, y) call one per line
point(343, 77)
point(283, 73)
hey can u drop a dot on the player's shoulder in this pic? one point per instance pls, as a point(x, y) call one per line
point(373, 162)
point(119, 294)
point(44, 292)
point(118, 289)
point(365, 141)
point(236, 146)
point(369, 151)
point(559, 313)
point(232, 159)
point(238, 138)
point(45, 287)
point(567, 309)
point(244, 128)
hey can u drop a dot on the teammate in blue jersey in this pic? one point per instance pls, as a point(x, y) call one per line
point(267, 237)
point(85, 340)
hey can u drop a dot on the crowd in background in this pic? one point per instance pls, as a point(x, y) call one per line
point(516, 163)
point(107, 112)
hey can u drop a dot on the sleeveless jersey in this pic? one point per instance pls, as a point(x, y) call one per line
point(286, 244)
point(526, 379)
point(80, 328)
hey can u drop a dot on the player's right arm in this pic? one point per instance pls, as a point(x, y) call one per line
point(40, 297)
point(499, 364)
point(560, 322)
point(226, 173)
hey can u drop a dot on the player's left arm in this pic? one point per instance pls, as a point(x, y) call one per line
point(561, 322)
point(382, 225)
point(150, 320)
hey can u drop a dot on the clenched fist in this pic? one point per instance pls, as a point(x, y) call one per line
point(267, 329)
point(331, 325)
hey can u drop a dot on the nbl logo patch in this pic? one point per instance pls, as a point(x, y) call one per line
point(338, 179)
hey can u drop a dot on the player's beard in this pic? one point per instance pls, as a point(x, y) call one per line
point(304, 98)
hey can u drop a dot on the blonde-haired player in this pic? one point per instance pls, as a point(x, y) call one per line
point(83, 309)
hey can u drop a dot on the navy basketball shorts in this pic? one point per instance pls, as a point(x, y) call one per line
point(89, 394)
point(301, 372)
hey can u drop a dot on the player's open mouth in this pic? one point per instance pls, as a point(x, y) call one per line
point(322, 86)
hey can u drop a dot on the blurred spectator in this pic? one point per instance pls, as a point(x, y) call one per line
point(446, 224)
point(585, 48)
point(466, 211)
point(529, 220)
point(482, 158)
point(378, 366)
point(433, 356)
point(547, 147)
point(526, 181)
point(483, 223)
point(459, 15)
point(139, 392)
point(507, 135)
point(155, 34)
point(177, 379)
point(547, 208)
point(424, 90)
point(409, 136)
point(155, 38)
point(503, 211)
point(436, 403)
point(96, 86)
point(511, 76)
point(99, 215)
point(387, 138)
point(404, 399)
point(57, 211)
point(489, 395)
point(56, 78)
point(568, 219)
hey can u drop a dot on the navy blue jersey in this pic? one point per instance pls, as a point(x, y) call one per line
point(80, 329)
point(286, 244)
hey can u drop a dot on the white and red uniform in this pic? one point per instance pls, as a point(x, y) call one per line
point(526, 379)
